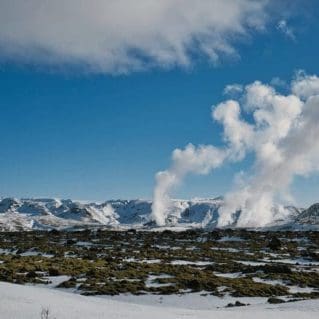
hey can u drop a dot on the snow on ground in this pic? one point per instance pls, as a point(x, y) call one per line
point(146, 261)
point(231, 250)
point(292, 289)
point(229, 275)
point(251, 263)
point(228, 238)
point(53, 281)
point(186, 262)
point(26, 302)
point(300, 261)
point(151, 280)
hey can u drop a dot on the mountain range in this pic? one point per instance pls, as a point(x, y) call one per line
point(47, 214)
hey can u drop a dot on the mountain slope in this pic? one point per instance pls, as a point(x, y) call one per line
point(27, 214)
point(309, 216)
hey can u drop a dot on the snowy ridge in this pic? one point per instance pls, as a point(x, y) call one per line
point(27, 214)
point(309, 216)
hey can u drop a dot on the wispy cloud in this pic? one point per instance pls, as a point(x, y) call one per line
point(278, 82)
point(284, 28)
point(123, 36)
point(233, 89)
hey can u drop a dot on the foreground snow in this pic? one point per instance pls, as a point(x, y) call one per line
point(27, 301)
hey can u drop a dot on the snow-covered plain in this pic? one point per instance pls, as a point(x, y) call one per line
point(26, 302)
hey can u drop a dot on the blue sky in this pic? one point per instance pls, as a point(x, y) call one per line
point(98, 135)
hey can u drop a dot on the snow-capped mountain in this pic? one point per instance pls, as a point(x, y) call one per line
point(16, 214)
point(27, 214)
point(309, 216)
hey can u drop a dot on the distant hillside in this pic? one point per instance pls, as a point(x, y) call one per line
point(27, 214)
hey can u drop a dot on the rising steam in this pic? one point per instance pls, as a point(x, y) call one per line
point(283, 137)
point(200, 160)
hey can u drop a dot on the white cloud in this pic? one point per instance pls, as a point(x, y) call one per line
point(305, 85)
point(122, 35)
point(233, 89)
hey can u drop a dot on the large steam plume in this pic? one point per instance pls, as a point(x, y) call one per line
point(198, 160)
point(283, 137)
